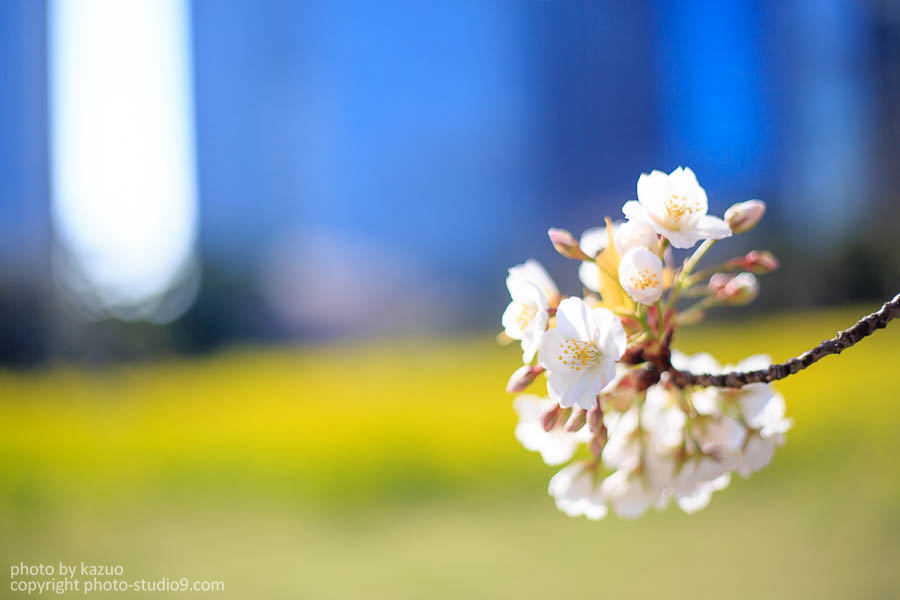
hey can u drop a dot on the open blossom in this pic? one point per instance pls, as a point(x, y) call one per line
point(526, 317)
point(635, 234)
point(580, 353)
point(663, 417)
point(577, 492)
point(752, 400)
point(629, 494)
point(675, 206)
point(701, 493)
point(758, 450)
point(593, 242)
point(706, 401)
point(623, 450)
point(640, 274)
point(533, 272)
point(656, 437)
point(555, 446)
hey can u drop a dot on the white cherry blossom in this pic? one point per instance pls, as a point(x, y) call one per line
point(593, 242)
point(706, 401)
point(635, 234)
point(555, 446)
point(526, 317)
point(640, 273)
point(623, 449)
point(534, 272)
point(577, 492)
point(580, 353)
point(758, 450)
point(771, 421)
point(699, 498)
point(663, 417)
point(720, 436)
point(628, 494)
point(675, 206)
point(756, 454)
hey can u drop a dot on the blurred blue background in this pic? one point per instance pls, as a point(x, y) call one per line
point(372, 168)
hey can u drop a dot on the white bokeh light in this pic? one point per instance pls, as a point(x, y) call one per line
point(124, 199)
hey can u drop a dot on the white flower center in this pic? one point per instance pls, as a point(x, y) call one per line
point(577, 354)
point(678, 209)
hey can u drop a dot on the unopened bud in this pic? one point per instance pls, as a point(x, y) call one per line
point(597, 443)
point(718, 282)
point(548, 420)
point(595, 417)
point(755, 261)
point(744, 216)
point(566, 244)
point(734, 290)
point(577, 420)
point(522, 378)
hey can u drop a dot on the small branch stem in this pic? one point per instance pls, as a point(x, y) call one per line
point(689, 264)
point(843, 340)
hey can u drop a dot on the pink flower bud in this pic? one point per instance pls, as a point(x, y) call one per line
point(744, 216)
point(577, 420)
point(596, 445)
point(760, 262)
point(734, 290)
point(718, 282)
point(566, 244)
point(548, 420)
point(522, 378)
point(595, 417)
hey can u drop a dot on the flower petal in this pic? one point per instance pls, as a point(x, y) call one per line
point(572, 318)
point(609, 333)
point(589, 274)
point(711, 228)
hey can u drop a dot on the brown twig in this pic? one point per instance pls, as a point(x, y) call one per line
point(843, 340)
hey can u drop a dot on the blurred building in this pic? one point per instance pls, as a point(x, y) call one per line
point(372, 169)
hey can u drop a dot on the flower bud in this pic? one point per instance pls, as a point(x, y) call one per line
point(595, 417)
point(744, 216)
point(718, 282)
point(640, 274)
point(598, 442)
point(734, 290)
point(548, 420)
point(577, 420)
point(635, 234)
point(522, 378)
point(566, 244)
point(755, 261)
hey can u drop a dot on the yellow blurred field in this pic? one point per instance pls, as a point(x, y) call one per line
point(390, 470)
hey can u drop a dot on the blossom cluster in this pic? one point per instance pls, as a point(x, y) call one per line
point(632, 436)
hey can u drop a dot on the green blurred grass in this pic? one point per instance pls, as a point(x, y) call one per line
point(391, 471)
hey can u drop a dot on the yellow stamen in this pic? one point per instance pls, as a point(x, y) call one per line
point(577, 354)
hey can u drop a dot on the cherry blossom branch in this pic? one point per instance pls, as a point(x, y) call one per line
point(843, 340)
